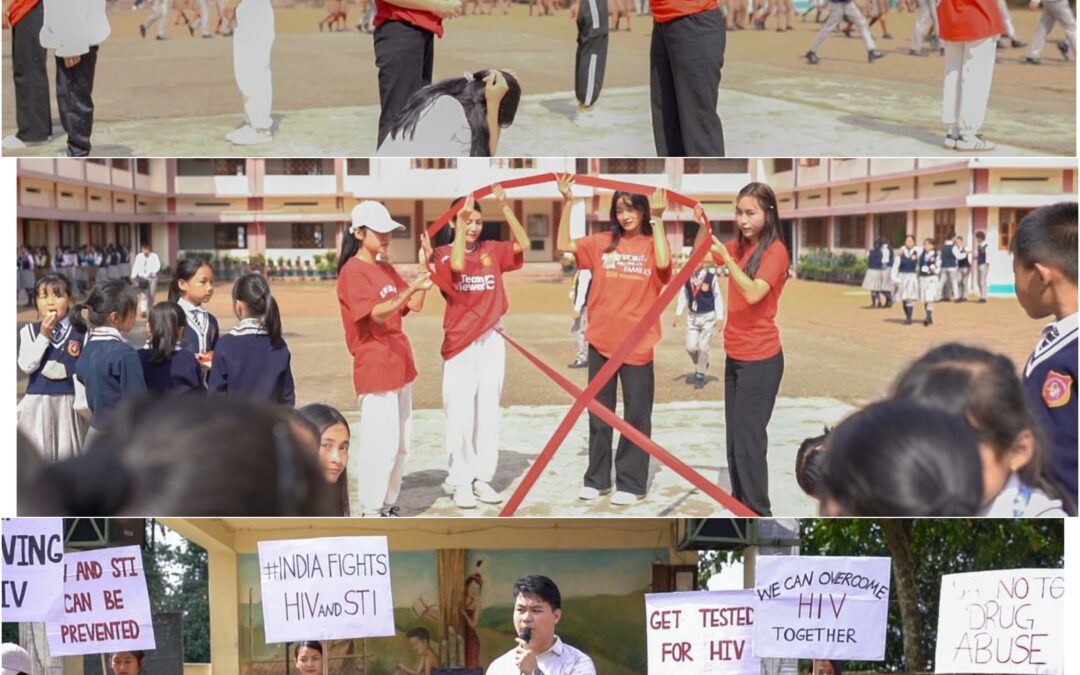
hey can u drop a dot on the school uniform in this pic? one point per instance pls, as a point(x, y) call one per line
point(46, 413)
point(159, 12)
point(701, 296)
point(579, 292)
point(841, 10)
point(253, 40)
point(29, 59)
point(109, 369)
point(926, 17)
point(26, 276)
point(201, 334)
point(929, 269)
point(75, 28)
point(178, 375)
point(625, 284)
point(686, 56)
point(383, 372)
point(904, 273)
point(1053, 11)
point(1017, 500)
point(969, 31)
point(982, 270)
point(1050, 380)
point(144, 272)
point(247, 365)
point(878, 278)
point(590, 59)
point(404, 54)
point(474, 357)
point(963, 271)
point(949, 275)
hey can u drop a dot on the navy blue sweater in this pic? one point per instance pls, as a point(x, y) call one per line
point(109, 368)
point(247, 365)
point(176, 376)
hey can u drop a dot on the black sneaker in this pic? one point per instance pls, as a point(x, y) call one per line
point(390, 512)
point(142, 31)
point(578, 364)
point(1033, 60)
point(1063, 47)
point(982, 301)
point(874, 55)
point(1017, 44)
point(812, 58)
point(916, 52)
point(699, 381)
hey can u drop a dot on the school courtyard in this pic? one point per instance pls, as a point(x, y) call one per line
point(178, 97)
point(839, 355)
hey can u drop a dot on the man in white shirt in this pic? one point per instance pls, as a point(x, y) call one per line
point(537, 609)
point(144, 272)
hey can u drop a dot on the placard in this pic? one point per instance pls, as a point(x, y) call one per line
point(106, 604)
point(33, 579)
point(701, 632)
point(821, 607)
point(333, 588)
point(1001, 621)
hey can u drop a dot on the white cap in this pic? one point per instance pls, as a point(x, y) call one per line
point(374, 216)
point(16, 659)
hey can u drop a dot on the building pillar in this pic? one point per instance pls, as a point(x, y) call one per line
point(224, 612)
point(174, 243)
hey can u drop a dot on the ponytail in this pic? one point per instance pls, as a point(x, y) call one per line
point(77, 318)
point(166, 321)
point(254, 291)
point(350, 244)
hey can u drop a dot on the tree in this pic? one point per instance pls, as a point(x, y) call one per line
point(177, 579)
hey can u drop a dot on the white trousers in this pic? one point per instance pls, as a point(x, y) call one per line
point(969, 72)
point(699, 335)
point(837, 12)
point(926, 16)
point(472, 387)
point(226, 23)
point(159, 12)
point(1054, 11)
point(983, 275)
point(385, 436)
point(1010, 30)
point(204, 17)
point(577, 329)
point(252, 41)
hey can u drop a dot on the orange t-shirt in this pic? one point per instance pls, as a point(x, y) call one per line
point(969, 20)
point(382, 356)
point(751, 333)
point(19, 9)
point(669, 10)
point(625, 284)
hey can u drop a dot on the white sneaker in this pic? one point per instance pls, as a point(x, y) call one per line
point(12, 142)
point(249, 135)
point(621, 498)
point(485, 493)
point(590, 494)
point(974, 142)
point(463, 497)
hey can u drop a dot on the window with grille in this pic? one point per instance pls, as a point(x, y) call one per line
point(815, 232)
point(781, 165)
point(433, 163)
point(891, 226)
point(944, 223)
point(513, 163)
point(230, 235)
point(124, 164)
point(308, 235)
point(298, 166)
point(142, 166)
point(849, 232)
point(210, 167)
point(632, 165)
point(358, 166)
point(581, 166)
point(1008, 220)
point(69, 234)
point(97, 234)
point(698, 165)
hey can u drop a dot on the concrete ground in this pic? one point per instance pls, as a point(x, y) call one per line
point(178, 97)
point(839, 355)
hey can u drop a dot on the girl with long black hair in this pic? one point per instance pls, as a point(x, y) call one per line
point(459, 117)
point(757, 263)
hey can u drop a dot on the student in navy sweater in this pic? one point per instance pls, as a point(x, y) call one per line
point(191, 289)
point(252, 360)
point(170, 370)
point(109, 368)
point(1044, 264)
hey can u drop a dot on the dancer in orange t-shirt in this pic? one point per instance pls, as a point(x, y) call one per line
point(630, 265)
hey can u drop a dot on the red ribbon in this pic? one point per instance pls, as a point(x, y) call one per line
point(587, 398)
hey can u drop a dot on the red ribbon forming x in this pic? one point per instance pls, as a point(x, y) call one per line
point(587, 398)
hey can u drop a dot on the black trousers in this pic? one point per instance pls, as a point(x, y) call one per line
point(686, 57)
point(631, 462)
point(75, 101)
point(591, 58)
point(28, 62)
point(750, 389)
point(405, 57)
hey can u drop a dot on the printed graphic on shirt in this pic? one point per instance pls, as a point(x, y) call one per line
point(74, 348)
point(387, 290)
point(475, 282)
point(625, 265)
point(1057, 389)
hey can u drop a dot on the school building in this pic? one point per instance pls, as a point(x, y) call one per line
point(290, 208)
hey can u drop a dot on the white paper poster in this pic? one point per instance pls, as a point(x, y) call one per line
point(106, 604)
point(33, 579)
point(821, 607)
point(701, 632)
point(333, 588)
point(1001, 621)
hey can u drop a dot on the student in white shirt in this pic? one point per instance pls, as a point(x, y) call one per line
point(538, 609)
point(144, 272)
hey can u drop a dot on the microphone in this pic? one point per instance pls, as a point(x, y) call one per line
point(526, 634)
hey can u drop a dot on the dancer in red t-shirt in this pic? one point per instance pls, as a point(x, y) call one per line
point(630, 265)
point(474, 355)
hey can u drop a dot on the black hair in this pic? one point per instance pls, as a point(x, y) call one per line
point(114, 295)
point(55, 282)
point(808, 463)
point(982, 389)
point(167, 319)
point(471, 94)
point(639, 203)
point(897, 458)
point(322, 417)
point(350, 244)
point(538, 586)
point(254, 291)
point(310, 644)
point(419, 633)
point(298, 418)
point(772, 231)
point(1048, 236)
point(186, 269)
point(980, 235)
point(138, 654)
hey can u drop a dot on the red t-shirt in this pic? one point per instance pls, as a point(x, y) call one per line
point(969, 20)
point(625, 284)
point(480, 287)
point(382, 357)
point(388, 11)
point(19, 9)
point(668, 10)
point(751, 333)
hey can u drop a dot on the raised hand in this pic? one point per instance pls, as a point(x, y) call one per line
point(426, 250)
point(565, 182)
point(658, 202)
point(495, 87)
point(498, 192)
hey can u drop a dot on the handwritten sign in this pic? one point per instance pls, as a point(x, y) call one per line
point(821, 607)
point(326, 589)
point(33, 581)
point(106, 604)
point(1001, 621)
point(701, 632)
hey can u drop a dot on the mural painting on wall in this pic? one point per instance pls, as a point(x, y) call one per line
point(454, 608)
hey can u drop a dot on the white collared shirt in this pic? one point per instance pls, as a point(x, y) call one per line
point(1017, 500)
point(1054, 338)
point(146, 266)
point(560, 659)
